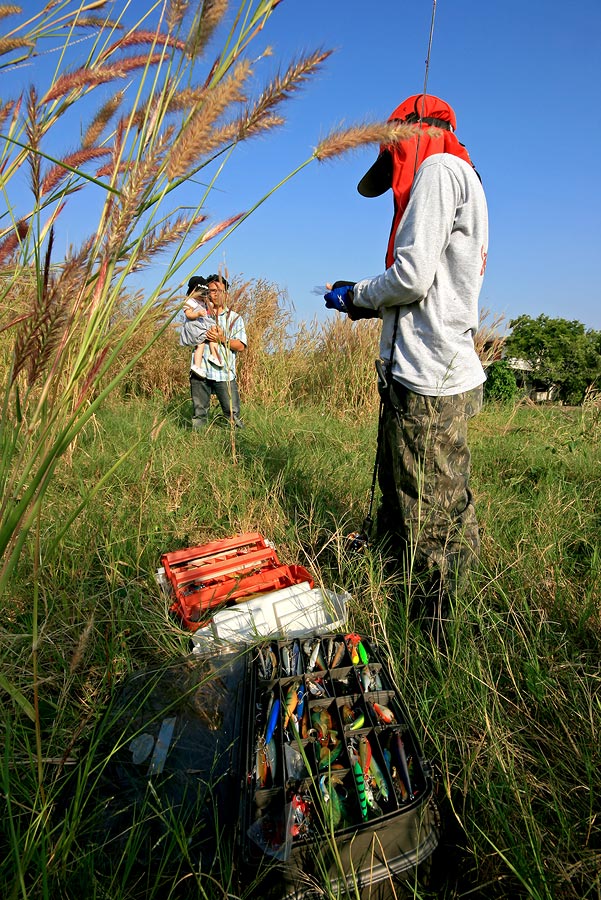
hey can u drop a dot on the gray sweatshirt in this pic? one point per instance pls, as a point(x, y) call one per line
point(440, 256)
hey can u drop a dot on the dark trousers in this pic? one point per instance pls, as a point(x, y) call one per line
point(426, 518)
point(226, 392)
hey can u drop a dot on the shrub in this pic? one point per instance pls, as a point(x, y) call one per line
point(500, 382)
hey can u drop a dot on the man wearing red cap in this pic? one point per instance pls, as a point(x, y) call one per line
point(428, 302)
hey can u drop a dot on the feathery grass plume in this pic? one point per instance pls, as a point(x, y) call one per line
point(138, 38)
point(101, 120)
point(249, 127)
point(40, 333)
point(90, 78)
point(7, 45)
point(280, 89)
point(176, 12)
point(218, 137)
point(221, 226)
point(82, 643)
point(214, 101)
point(142, 175)
point(488, 341)
point(342, 140)
point(5, 111)
point(79, 79)
point(109, 169)
point(187, 98)
point(33, 130)
point(59, 172)
point(11, 243)
point(7, 9)
point(205, 23)
point(160, 238)
point(95, 22)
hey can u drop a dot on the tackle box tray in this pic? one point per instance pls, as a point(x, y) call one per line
point(222, 573)
point(334, 783)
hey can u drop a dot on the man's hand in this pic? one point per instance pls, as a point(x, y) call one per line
point(339, 296)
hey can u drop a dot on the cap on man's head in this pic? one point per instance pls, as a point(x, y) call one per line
point(419, 108)
point(197, 281)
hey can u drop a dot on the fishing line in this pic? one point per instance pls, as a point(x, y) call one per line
point(426, 75)
point(427, 72)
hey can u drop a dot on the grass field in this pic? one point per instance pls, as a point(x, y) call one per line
point(508, 710)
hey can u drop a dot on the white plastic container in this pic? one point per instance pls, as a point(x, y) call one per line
point(291, 612)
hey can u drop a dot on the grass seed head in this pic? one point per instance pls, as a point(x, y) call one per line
point(206, 22)
point(342, 140)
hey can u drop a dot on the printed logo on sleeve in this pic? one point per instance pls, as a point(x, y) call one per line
point(484, 255)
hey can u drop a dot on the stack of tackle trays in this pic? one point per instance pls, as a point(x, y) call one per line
point(332, 761)
point(222, 573)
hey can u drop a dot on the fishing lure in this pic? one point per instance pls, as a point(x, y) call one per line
point(356, 649)
point(363, 656)
point(317, 688)
point(360, 785)
point(262, 764)
point(322, 722)
point(291, 701)
point(339, 649)
point(399, 751)
point(312, 652)
point(370, 798)
point(383, 713)
point(329, 755)
point(332, 799)
point(271, 752)
point(272, 663)
point(365, 754)
point(351, 641)
point(300, 705)
point(370, 679)
point(347, 714)
point(296, 658)
point(358, 723)
point(378, 779)
point(272, 721)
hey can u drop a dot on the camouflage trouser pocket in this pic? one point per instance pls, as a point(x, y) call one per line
point(427, 506)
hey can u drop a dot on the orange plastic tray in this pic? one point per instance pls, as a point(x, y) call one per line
point(225, 572)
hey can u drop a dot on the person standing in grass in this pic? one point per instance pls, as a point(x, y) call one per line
point(230, 334)
point(428, 302)
point(195, 311)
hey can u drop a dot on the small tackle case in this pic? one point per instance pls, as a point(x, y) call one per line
point(222, 573)
point(334, 784)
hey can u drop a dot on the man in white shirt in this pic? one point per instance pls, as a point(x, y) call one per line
point(427, 299)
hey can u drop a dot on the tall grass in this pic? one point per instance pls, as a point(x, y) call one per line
point(507, 708)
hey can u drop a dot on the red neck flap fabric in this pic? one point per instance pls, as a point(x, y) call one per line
point(407, 156)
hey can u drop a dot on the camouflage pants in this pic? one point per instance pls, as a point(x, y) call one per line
point(426, 517)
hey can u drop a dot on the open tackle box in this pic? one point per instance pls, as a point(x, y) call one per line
point(223, 573)
point(334, 784)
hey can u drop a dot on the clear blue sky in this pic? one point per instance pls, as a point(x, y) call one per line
point(524, 80)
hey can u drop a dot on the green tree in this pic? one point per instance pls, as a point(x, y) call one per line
point(563, 353)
